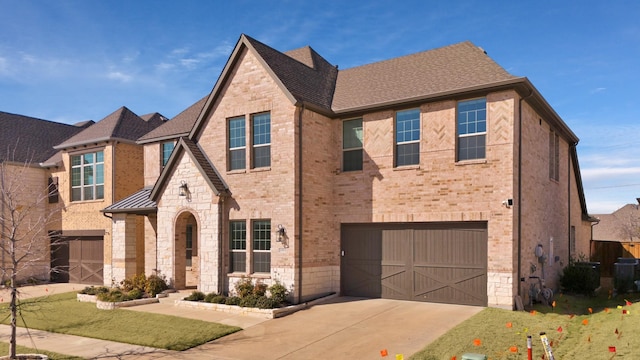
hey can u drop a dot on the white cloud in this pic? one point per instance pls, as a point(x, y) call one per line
point(163, 66)
point(599, 173)
point(189, 63)
point(119, 76)
point(597, 90)
point(4, 66)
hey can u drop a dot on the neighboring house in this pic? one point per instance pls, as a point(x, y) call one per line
point(435, 176)
point(616, 235)
point(25, 142)
point(93, 169)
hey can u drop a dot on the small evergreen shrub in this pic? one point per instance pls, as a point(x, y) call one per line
point(209, 297)
point(196, 296)
point(155, 285)
point(135, 282)
point(249, 301)
point(94, 290)
point(260, 289)
point(219, 299)
point(244, 287)
point(113, 295)
point(278, 293)
point(232, 300)
point(134, 294)
point(579, 278)
point(264, 302)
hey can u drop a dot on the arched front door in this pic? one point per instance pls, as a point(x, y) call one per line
point(187, 269)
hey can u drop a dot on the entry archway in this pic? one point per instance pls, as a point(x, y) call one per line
point(187, 266)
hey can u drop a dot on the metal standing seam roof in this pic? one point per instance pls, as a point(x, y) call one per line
point(137, 203)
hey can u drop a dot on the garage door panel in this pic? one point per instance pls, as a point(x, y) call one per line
point(84, 261)
point(443, 262)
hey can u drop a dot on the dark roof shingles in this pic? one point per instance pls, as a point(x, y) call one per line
point(27, 139)
point(180, 125)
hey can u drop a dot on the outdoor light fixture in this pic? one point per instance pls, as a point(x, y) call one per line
point(281, 233)
point(183, 190)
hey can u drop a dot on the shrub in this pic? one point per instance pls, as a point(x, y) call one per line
point(219, 299)
point(135, 282)
point(195, 296)
point(244, 287)
point(209, 297)
point(134, 294)
point(155, 285)
point(249, 301)
point(278, 293)
point(232, 300)
point(579, 278)
point(260, 289)
point(264, 302)
point(94, 290)
point(114, 295)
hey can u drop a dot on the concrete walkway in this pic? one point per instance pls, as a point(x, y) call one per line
point(340, 328)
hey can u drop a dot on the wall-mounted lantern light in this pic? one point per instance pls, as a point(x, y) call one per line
point(281, 233)
point(183, 189)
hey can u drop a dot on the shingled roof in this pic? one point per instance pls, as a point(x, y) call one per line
point(448, 69)
point(206, 168)
point(179, 126)
point(122, 125)
point(26, 139)
point(611, 226)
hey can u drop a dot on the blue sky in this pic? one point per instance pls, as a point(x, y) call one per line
point(70, 61)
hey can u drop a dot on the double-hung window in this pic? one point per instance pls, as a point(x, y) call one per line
point(472, 129)
point(87, 176)
point(408, 137)
point(237, 143)
point(261, 140)
point(352, 145)
point(238, 232)
point(261, 246)
point(165, 151)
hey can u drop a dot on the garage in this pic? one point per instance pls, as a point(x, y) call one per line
point(78, 260)
point(431, 262)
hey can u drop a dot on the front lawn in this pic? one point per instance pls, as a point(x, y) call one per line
point(63, 314)
point(578, 327)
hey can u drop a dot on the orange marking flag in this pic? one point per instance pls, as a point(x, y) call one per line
point(383, 352)
point(477, 342)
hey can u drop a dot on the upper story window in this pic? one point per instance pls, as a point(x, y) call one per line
point(554, 155)
point(408, 137)
point(237, 143)
point(261, 140)
point(472, 129)
point(165, 151)
point(352, 145)
point(87, 176)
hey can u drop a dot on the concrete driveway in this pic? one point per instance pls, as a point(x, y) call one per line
point(341, 328)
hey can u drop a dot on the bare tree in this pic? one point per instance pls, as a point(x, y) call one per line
point(629, 222)
point(25, 218)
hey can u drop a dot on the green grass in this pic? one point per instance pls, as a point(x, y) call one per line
point(63, 314)
point(4, 349)
point(574, 331)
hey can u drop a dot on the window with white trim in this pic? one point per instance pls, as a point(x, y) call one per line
point(238, 245)
point(352, 145)
point(87, 176)
point(407, 137)
point(261, 238)
point(472, 129)
point(237, 143)
point(261, 140)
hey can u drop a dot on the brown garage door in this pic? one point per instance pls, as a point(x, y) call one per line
point(78, 260)
point(433, 262)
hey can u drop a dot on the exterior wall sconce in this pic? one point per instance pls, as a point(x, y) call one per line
point(183, 189)
point(281, 233)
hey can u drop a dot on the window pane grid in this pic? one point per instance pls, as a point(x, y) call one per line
point(261, 140)
point(352, 140)
point(407, 137)
point(87, 176)
point(472, 129)
point(262, 246)
point(167, 148)
point(238, 245)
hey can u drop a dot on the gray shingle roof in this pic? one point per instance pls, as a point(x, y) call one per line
point(27, 139)
point(611, 225)
point(180, 125)
point(137, 203)
point(122, 124)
